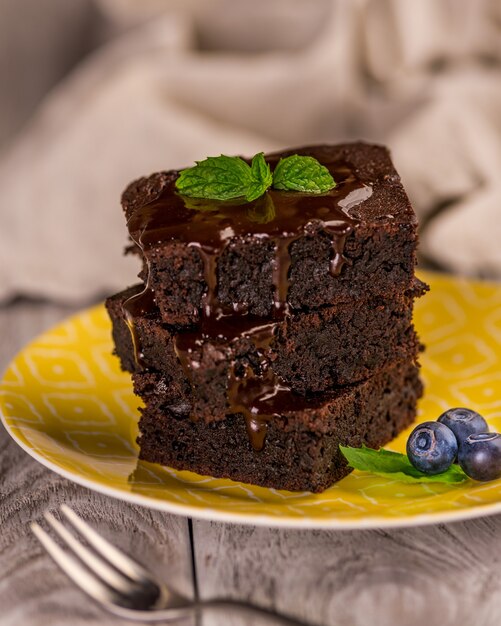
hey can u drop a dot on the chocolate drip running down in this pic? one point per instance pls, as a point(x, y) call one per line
point(208, 226)
point(138, 305)
point(247, 392)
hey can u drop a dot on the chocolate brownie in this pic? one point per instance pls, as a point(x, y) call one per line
point(309, 352)
point(302, 444)
point(284, 250)
point(268, 332)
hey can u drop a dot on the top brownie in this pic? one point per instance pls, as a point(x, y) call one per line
point(284, 250)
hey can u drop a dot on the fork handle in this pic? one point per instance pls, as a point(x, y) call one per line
point(251, 609)
point(187, 609)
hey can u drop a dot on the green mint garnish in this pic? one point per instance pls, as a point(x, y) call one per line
point(397, 466)
point(261, 178)
point(216, 178)
point(227, 178)
point(302, 173)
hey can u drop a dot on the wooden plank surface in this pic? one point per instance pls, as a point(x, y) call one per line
point(33, 592)
point(440, 575)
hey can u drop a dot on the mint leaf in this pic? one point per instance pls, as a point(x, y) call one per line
point(216, 178)
point(262, 211)
point(227, 178)
point(261, 178)
point(302, 173)
point(397, 466)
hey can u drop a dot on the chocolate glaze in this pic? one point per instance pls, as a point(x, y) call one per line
point(208, 226)
point(139, 305)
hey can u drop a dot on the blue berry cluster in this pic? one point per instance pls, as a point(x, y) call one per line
point(460, 435)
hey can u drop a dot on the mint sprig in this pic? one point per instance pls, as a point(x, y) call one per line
point(302, 173)
point(227, 178)
point(397, 466)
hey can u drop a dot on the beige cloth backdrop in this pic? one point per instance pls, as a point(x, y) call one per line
point(170, 81)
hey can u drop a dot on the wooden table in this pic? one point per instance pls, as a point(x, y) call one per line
point(435, 575)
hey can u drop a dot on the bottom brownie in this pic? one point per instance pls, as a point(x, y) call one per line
point(301, 451)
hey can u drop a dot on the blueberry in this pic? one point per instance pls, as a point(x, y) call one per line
point(432, 447)
point(480, 456)
point(463, 423)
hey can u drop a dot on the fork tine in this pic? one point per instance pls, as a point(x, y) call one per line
point(96, 564)
point(115, 556)
point(73, 568)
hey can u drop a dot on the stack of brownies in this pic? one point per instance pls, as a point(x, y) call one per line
point(267, 333)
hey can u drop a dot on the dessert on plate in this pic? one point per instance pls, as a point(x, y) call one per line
point(268, 331)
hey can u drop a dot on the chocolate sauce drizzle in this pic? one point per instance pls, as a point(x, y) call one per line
point(208, 226)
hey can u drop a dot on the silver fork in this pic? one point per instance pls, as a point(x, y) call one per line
point(120, 584)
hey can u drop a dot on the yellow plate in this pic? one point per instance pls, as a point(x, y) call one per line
point(66, 402)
